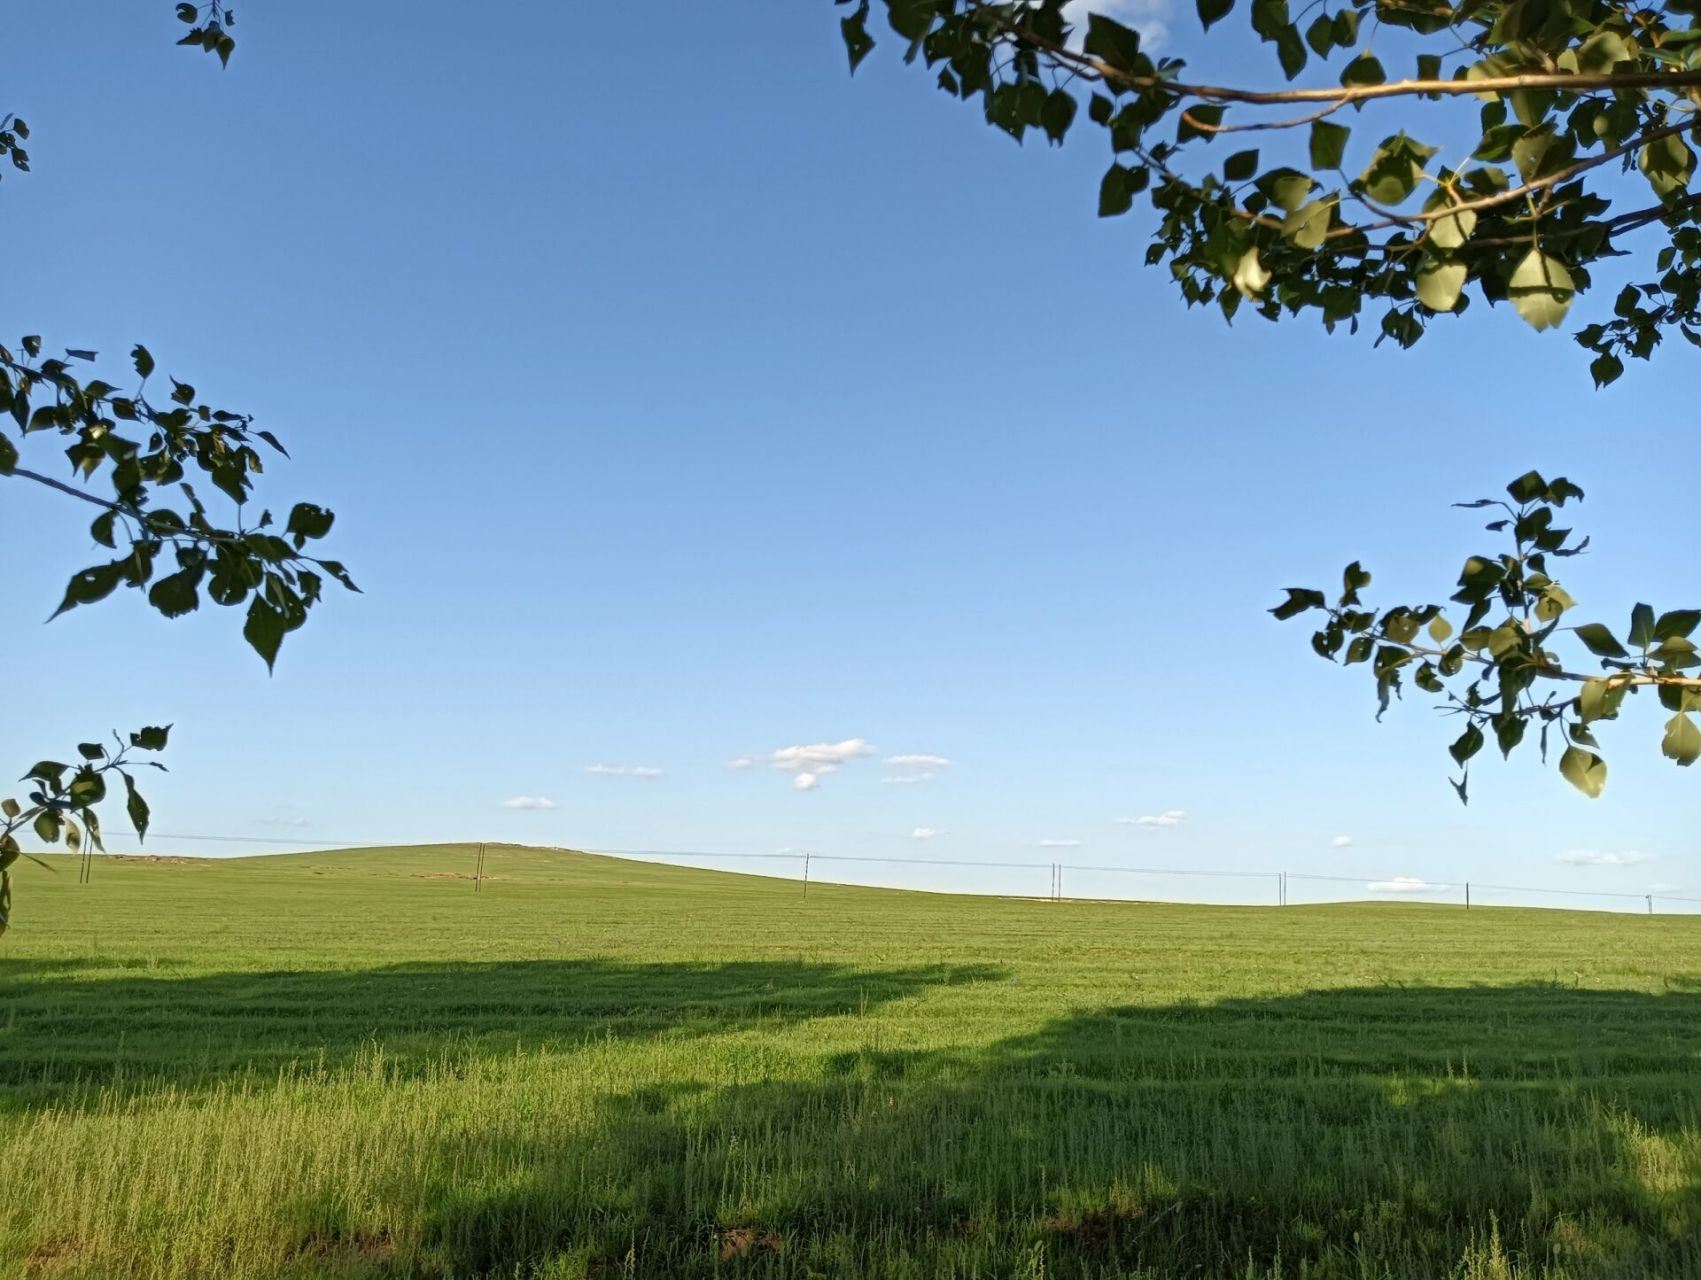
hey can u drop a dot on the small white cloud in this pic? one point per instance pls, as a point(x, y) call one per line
point(528, 802)
point(1405, 884)
point(741, 762)
point(1168, 818)
point(813, 757)
point(624, 771)
point(1341, 842)
point(1601, 858)
point(919, 760)
point(1060, 844)
point(817, 760)
point(925, 833)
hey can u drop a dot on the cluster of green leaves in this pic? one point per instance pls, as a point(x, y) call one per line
point(209, 31)
point(14, 131)
point(60, 805)
point(1571, 91)
point(1505, 648)
point(146, 451)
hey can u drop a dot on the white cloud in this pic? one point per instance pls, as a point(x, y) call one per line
point(528, 802)
point(901, 780)
point(741, 762)
point(812, 758)
point(1060, 844)
point(815, 761)
point(919, 760)
point(925, 833)
point(1341, 842)
point(1405, 884)
point(281, 821)
point(624, 771)
point(1149, 17)
point(1168, 818)
point(1601, 858)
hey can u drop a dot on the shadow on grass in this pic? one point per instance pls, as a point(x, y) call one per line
point(69, 1031)
point(1488, 1133)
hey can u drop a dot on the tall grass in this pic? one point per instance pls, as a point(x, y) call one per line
point(351, 1066)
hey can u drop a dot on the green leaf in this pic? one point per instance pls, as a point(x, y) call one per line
point(1682, 742)
point(1299, 600)
point(1241, 165)
point(1453, 230)
point(1467, 745)
point(1320, 35)
point(90, 585)
point(1213, 11)
point(1308, 226)
point(152, 738)
point(1605, 369)
point(1600, 641)
point(1290, 50)
point(1362, 70)
point(1328, 144)
point(47, 826)
point(1678, 622)
point(307, 522)
point(264, 630)
point(858, 43)
point(1116, 191)
point(1109, 40)
point(1554, 601)
point(1055, 118)
point(1439, 285)
point(136, 807)
point(176, 594)
point(144, 361)
point(1584, 770)
point(1541, 290)
point(1642, 626)
point(1354, 578)
point(1667, 164)
point(8, 456)
point(1440, 629)
point(1395, 170)
point(1199, 121)
point(1600, 699)
point(1250, 277)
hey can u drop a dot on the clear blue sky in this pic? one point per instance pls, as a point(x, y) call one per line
point(683, 399)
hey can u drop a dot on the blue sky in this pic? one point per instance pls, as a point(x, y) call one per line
point(683, 399)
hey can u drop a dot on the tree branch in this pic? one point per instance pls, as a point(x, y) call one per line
point(1091, 67)
point(70, 489)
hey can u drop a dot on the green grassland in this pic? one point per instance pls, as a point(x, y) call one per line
point(351, 1065)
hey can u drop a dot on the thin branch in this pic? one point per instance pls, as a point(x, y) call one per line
point(70, 489)
point(1215, 129)
point(1570, 83)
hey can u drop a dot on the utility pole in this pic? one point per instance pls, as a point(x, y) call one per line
point(806, 873)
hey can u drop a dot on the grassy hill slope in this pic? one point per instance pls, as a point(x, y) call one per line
point(350, 1064)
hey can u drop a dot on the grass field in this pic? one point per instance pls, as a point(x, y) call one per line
point(350, 1065)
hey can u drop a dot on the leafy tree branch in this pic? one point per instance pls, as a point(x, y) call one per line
point(151, 451)
point(1574, 93)
point(1505, 652)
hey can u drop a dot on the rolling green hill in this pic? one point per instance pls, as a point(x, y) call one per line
point(351, 1065)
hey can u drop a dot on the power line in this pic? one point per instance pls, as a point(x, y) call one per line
point(1407, 884)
